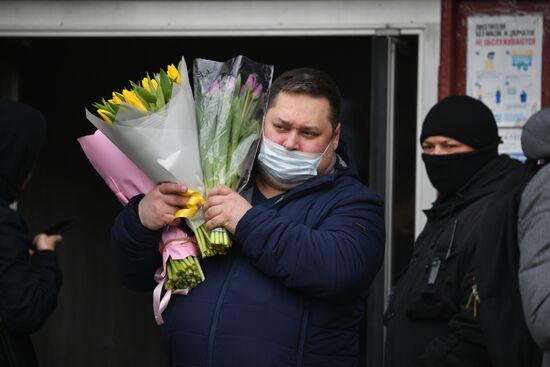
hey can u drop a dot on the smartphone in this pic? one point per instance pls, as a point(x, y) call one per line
point(59, 227)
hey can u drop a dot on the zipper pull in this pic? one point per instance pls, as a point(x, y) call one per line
point(451, 242)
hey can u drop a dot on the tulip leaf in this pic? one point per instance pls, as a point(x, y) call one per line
point(166, 85)
point(160, 98)
point(98, 106)
point(107, 106)
point(238, 85)
point(143, 101)
point(106, 115)
point(143, 93)
point(119, 95)
point(112, 107)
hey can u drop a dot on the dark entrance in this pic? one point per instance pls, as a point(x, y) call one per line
point(97, 321)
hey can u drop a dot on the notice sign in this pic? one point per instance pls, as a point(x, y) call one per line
point(504, 65)
point(511, 143)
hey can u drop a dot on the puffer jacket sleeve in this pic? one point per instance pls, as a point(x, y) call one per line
point(28, 286)
point(337, 258)
point(534, 245)
point(135, 249)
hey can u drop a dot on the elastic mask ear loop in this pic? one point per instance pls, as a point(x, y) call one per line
point(328, 145)
point(326, 148)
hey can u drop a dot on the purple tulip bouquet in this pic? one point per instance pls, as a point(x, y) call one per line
point(230, 103)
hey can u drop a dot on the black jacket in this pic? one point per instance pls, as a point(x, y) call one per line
point(433, 318)
point(28, 285)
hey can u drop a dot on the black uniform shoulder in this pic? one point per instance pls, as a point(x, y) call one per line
point(11, 221)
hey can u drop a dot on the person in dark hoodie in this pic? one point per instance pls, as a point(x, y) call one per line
point(457, 303)
point(29, 274)
point(307, 244)
point(534, 232)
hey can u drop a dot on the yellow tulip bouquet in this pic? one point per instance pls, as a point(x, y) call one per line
point(153, 123)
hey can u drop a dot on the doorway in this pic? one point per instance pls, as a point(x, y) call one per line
point(116, 326)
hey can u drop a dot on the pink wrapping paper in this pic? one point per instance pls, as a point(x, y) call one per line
point(126, 180)
point(122, 176)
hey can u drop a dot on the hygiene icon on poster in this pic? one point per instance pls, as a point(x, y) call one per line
point(504, 65)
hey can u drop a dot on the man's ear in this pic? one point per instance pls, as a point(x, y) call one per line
point(336, 137)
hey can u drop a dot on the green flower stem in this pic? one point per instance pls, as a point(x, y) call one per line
point(220, 239)
point(203, 240)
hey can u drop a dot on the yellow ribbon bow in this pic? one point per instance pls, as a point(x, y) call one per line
point(192, 205)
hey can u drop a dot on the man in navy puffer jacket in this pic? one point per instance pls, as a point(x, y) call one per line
point(308, 241)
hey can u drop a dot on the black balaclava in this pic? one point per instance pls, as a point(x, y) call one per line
point(470, 122)
point(22, 135)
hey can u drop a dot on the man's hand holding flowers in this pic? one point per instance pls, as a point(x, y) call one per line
point(224, 208)
point(158, 206)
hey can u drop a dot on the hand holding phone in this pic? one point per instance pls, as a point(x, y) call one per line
point(43, 242)
point(59, 227)
point(50, 237)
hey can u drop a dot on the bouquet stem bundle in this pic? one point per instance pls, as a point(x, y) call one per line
point(185, 273)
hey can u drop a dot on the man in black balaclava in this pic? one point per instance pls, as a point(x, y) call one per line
point(29, 274)
point(466, 132)
point(443, 310)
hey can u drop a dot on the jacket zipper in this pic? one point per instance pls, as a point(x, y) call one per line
point(214, 326)
point(217, 313)
point(302, 342)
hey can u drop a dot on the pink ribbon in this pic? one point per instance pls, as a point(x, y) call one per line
point(175, 244)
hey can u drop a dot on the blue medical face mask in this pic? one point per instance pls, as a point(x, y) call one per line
point(287, 167)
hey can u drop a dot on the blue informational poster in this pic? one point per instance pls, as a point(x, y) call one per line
point(504, 70)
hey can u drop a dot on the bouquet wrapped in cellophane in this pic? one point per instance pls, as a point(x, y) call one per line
point(153, 124)
point(126, 180)
point(158, 126)
point(230, 100)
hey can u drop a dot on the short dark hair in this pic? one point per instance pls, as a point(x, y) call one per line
point(311, 82)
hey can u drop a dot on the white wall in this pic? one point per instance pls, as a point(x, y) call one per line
point(50, 18)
